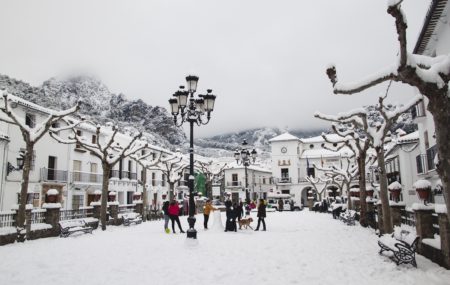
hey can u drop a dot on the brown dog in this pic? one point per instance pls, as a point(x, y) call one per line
point(245, 222)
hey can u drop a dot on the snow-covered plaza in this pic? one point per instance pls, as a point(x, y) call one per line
point(298, 248)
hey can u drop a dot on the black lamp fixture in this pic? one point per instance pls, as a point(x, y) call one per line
point(245, 157)
point(186, 108)
point(20, 161)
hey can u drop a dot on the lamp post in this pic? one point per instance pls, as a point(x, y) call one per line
point(193, 110)
point(20, 161)
point(244, 157)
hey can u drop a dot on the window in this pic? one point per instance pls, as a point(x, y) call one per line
point(425, 137)
point(284, 172)
point(94, 139)
point(30, 120)
point(76, 170)
point(311, 172)
point(234, 179)
point(163, 180)
point(56, 125)
point(153, 179)
point(79, 134)
point(77, 201)
point(264, 180)
point(94, 168)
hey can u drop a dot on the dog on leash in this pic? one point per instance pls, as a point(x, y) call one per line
point(245, 222)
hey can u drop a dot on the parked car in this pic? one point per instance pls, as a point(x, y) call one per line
point(288, 203)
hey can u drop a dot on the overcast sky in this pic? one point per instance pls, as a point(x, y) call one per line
point(265, 60)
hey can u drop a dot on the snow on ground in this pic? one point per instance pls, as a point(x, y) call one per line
point(298, 248)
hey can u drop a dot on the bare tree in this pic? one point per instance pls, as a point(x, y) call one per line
point(172, 167)
point(108, 149)
point(145, 163)
point(376, 123)
point(430, 75)
point(344, 174)
point(31, 135)
point(211, 171)
point(319, 184)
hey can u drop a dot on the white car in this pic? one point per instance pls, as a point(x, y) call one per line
point(288, 204)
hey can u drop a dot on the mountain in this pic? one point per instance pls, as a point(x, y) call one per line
point(100, 105)
point(226, 144)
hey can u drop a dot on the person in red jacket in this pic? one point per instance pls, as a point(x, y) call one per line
point(174, 211)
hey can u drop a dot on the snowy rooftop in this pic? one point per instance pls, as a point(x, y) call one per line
point(412, 137)
point(318, 139)
point(284, 137)
point(257, 167)
point(320, 152)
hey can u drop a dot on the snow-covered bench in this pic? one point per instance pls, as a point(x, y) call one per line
point(72, 226)
point(348, 217)
point(400, 246)
point(130, 218)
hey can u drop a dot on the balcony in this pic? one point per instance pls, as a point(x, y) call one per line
point(114, 174)
point(283, 180)
point(234, 184)
point(129, 175)
point(86, 177)
point(53, 175)
point(425, 162)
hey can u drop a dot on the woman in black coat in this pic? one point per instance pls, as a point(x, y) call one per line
point(230, 224)
point(261, 214)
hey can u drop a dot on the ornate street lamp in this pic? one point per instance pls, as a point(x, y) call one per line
point(244, 157)
point(20, 161)
point(195, 111)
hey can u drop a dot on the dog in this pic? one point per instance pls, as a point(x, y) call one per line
point(245, 222)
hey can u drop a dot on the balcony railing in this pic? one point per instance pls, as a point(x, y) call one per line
point(129, 175)
point(88, 177)
point(234, 183)
point(49, 174)
point(283, 180)
point(114, 174)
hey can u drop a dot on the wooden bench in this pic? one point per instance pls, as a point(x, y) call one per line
point(131, 218)
point(72, 226)
point(401, 245)
point(348, 217)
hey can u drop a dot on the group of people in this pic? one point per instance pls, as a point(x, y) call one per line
point(171, 211)
point(234, 211)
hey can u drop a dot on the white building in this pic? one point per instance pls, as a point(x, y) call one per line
point(259, 182)
point(73, 171)
point(434, 40)
point(293, 159)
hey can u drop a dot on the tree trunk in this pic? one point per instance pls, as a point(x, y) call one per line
point(144, 193)
point(208, 186)
point(349, 199)
point(439, 106)
point(384, 191)
point(171, 190)
point(362, 190)
point(105, 186)
point(20, 222)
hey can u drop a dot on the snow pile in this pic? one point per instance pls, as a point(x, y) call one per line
point(115, 203)
point(7, 231)
point(52, 192)
point(422, 207)
point(395, 186)
point(440, 209)
point(27, 207)
point(217, 224)
point(422, 184)
point(295, 250)
point(51, 205)
point(40, 226)
point(393, 203)
point(95, 203)
point(433, 242)
point(98, 192)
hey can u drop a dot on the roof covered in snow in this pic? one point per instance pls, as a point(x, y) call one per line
point(284, 137)
point(409, 138)
point(320, 152)
point(319, 139)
